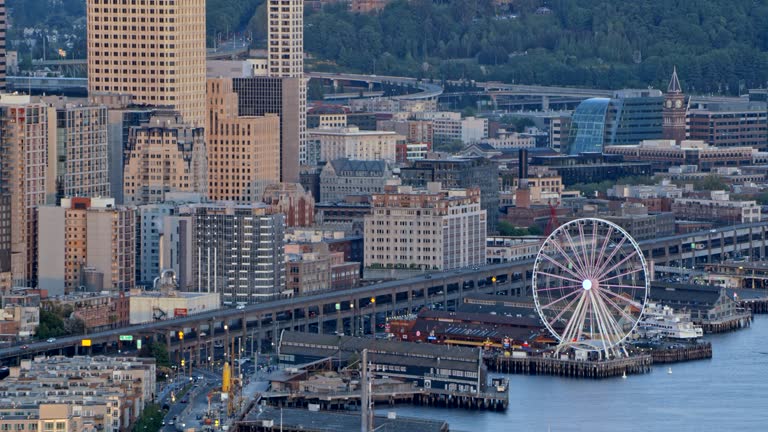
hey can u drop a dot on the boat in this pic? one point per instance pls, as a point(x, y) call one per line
point(625, 375)
point(663, 322)
point(669, 371)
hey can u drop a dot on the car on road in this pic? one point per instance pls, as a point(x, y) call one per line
point(24, 346)
point(170, 423)
point(51, 340)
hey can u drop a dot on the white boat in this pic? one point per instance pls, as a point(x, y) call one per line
point(663, 321)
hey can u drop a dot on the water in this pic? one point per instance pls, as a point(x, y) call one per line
point(727, 393)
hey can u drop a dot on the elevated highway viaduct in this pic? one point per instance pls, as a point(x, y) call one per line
point(354, 310)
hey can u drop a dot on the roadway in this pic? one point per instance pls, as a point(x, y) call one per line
point(437, 287)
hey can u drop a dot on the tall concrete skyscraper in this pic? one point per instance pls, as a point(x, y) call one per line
point(286, 60)
point(153, 50)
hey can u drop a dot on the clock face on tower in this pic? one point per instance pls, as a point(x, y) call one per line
point(669, 103)
point(678, 103)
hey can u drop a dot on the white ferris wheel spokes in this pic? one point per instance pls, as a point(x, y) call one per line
point(590, 285)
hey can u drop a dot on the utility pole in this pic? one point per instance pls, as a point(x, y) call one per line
point(366, 422)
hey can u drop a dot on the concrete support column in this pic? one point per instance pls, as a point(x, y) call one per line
point(545, 103)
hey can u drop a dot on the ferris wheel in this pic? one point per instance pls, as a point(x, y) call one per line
point(590, 285)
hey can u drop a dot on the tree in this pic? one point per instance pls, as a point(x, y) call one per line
point(160, 353)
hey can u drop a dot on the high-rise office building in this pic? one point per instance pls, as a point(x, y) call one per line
point(3, 23)
point(286, 60)
point(153, 50)
point(79, 163)
point(164, 155)
point(26, 131)
point(243, 151)
point(86, 242)
point(238, 251)
point(259, 96)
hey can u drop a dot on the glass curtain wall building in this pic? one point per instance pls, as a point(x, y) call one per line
point(588, 126)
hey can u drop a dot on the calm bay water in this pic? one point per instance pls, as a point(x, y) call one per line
point(727, 393)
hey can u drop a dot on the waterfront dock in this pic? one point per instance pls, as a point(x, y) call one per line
point(341, 401)
point(535, 365)
point(681, 353)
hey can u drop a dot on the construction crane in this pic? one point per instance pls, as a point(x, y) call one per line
point(552, 224)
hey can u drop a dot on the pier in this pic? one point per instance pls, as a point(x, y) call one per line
point(571, 368)
point(700, 351)
point(730, 323)
point(407, 394)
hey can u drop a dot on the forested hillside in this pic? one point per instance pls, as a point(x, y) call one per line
point(719, 46)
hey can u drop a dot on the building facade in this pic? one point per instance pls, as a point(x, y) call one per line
point(342, 177)
point(259, 96)
point(82, 151)
point(730, 125)
point(425, 229)
point(237, 252)
point(243, 151)
point(154, 51)
point(352, 143)
point(293, 201)
point(26, 131)
point(87, 244)
point(164, 155)
point(460, 173)
point(665, 154)
point(285, 46)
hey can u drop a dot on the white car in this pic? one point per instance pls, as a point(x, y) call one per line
point(51, 340)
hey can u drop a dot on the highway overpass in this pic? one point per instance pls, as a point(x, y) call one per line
point(319, 312)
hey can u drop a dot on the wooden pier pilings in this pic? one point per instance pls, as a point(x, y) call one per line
point(571, 368)
point(757, 306)
point(732, 323)
point(699, 351)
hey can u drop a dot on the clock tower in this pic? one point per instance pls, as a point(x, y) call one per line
point(674, 111)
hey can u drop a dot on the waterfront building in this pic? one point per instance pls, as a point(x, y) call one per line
point(26, 133)
point(353, 143)
point(293, 201)
point(154, 52)
point(243, 151)
point(460, 173)
point(342, 177)
point(164, 155)
point(237, 251)
point(87, 244)
point(421, 230)
point(730, 125)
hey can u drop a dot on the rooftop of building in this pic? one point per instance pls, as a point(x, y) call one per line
point(356, 166)
point(350, 131)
